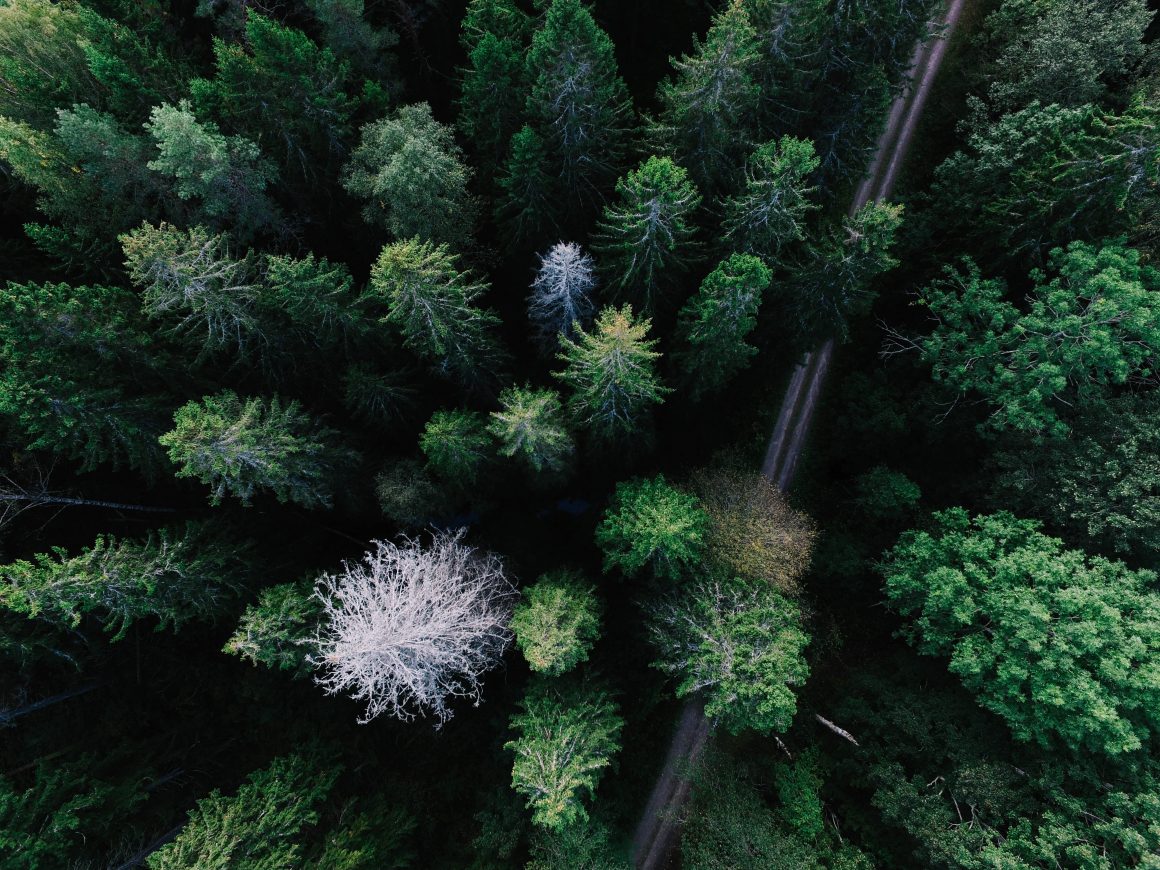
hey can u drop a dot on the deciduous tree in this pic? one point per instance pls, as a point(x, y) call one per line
point(557, 622)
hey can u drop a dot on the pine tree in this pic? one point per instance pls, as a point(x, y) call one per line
point(561, 294)
point(709, 109)
point(557, 621)
point(240, 446)
point(578, 105)
point(651, 523)
point(645, 239)
point(530, 427)
point(278, 630)
point(419, 289)
point(611, 373)
point(564, 743)
point(173, 576)
point(411, 173)
point(528, 204)
point(769, 212)
point(715, 322)
point(457, 446)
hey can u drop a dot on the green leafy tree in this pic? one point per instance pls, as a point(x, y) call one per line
point(225, 175)
point(411, 174)
point(564, 743)
point(578, 105)
point(493, 16)
point(173, 576)
point(529, 194)
point(278, 630)
point(530, 427)
point(651, 523)
point(739, 645)
point(457, 445)
point(769, 212)
point(883, 494)
point(645, 239)
point(255, 828)
point(240, 446)
point(611, 373)
point(1060, 645)
point(419, 289)
point(1090, 325)
point(280, 90)
point(714, 323)
point(709, 107)
point(557, 621)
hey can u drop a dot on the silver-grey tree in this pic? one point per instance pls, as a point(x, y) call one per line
point(562, 293)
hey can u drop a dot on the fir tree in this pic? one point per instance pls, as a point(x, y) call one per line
point(769, 212)
point(457, 446)
point(528, 204)
point(651, 523)
point(530, 427)
point(561, 295)
point(556, 622)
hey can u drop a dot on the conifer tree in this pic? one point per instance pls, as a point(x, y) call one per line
point(557, 621)
point(316, 296)
point(240, 446)
point(768, 213)
point(277, 631)
point(367, 48)
point(500, 17)
point(528, 204)
point(715, 322)
point(411, 173)
point(651, 523)
point(530, 427)
point(457, 446)
point(791, 37)
point(419, 289)
point(645, 239)
point(578, 104)
point(561, 294)
point(709, 108)
point(173, 576)
point(564, 743)
point(611, 373)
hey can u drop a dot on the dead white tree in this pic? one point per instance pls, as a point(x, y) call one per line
point(411, 627)
point(562, 292)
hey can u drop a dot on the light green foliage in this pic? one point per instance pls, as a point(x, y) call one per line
point(240, 446)
point(411, 173)
point(884, 494)
point(564, 743)
point(457, 446)
point(226, 175)
point(578, 103)
point(831, 284)
point(278, 630)
point(557, 621)
point(645, 239)
point(611, 372)
point(651, 523)
point(173, 576)
point(529, 200)
point(1092, 324)
point(715, 322)
point(1103, 483)
point(408, 496)
point(255, 828)
point(432, 303)
point(1062, 646)
point(63, 351)
point(530, 427)
point(739, 645)
point(1064, 52)
point(798, 784)
point(768, 213)
point(709, 108)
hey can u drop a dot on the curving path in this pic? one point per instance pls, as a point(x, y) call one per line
point(658, 831)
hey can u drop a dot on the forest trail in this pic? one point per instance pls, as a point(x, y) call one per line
point(658, 831)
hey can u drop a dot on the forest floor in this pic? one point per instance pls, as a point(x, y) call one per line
point(658, 831)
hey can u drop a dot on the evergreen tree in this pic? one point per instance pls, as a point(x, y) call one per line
point(556, 622)
point(420, 290)
point(528, 205)
point(457, 446)
point(646, 238)
point(258, 826)
point(650, 522)
point(611, 374)
point(173, 576)
point(367, 49)
point(563, 744)
point(412, 175)
point(239, 446)
point(316, 297)
point(578, 105)
point(709, 108)
point(715, 322)
point(278, 630)
point(530, 427)
point(768, 213)
point(1060, 645)
point(500, 17)
point(561, 293)
point(791, 36)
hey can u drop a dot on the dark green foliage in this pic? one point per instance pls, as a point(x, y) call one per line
point(257, 826)
point(579, 846)
point(528, 203)
point(1062, 646)
point(885, 494)
point(239, 447)
point(650, 523)
point(407, 494)
point(768, 213)
point(557, 621)
point(346, 32)
point(565, 741)
point(458, 446)
point(716, 320)
point(278, 630)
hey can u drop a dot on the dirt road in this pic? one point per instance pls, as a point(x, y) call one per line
point(658, 832)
